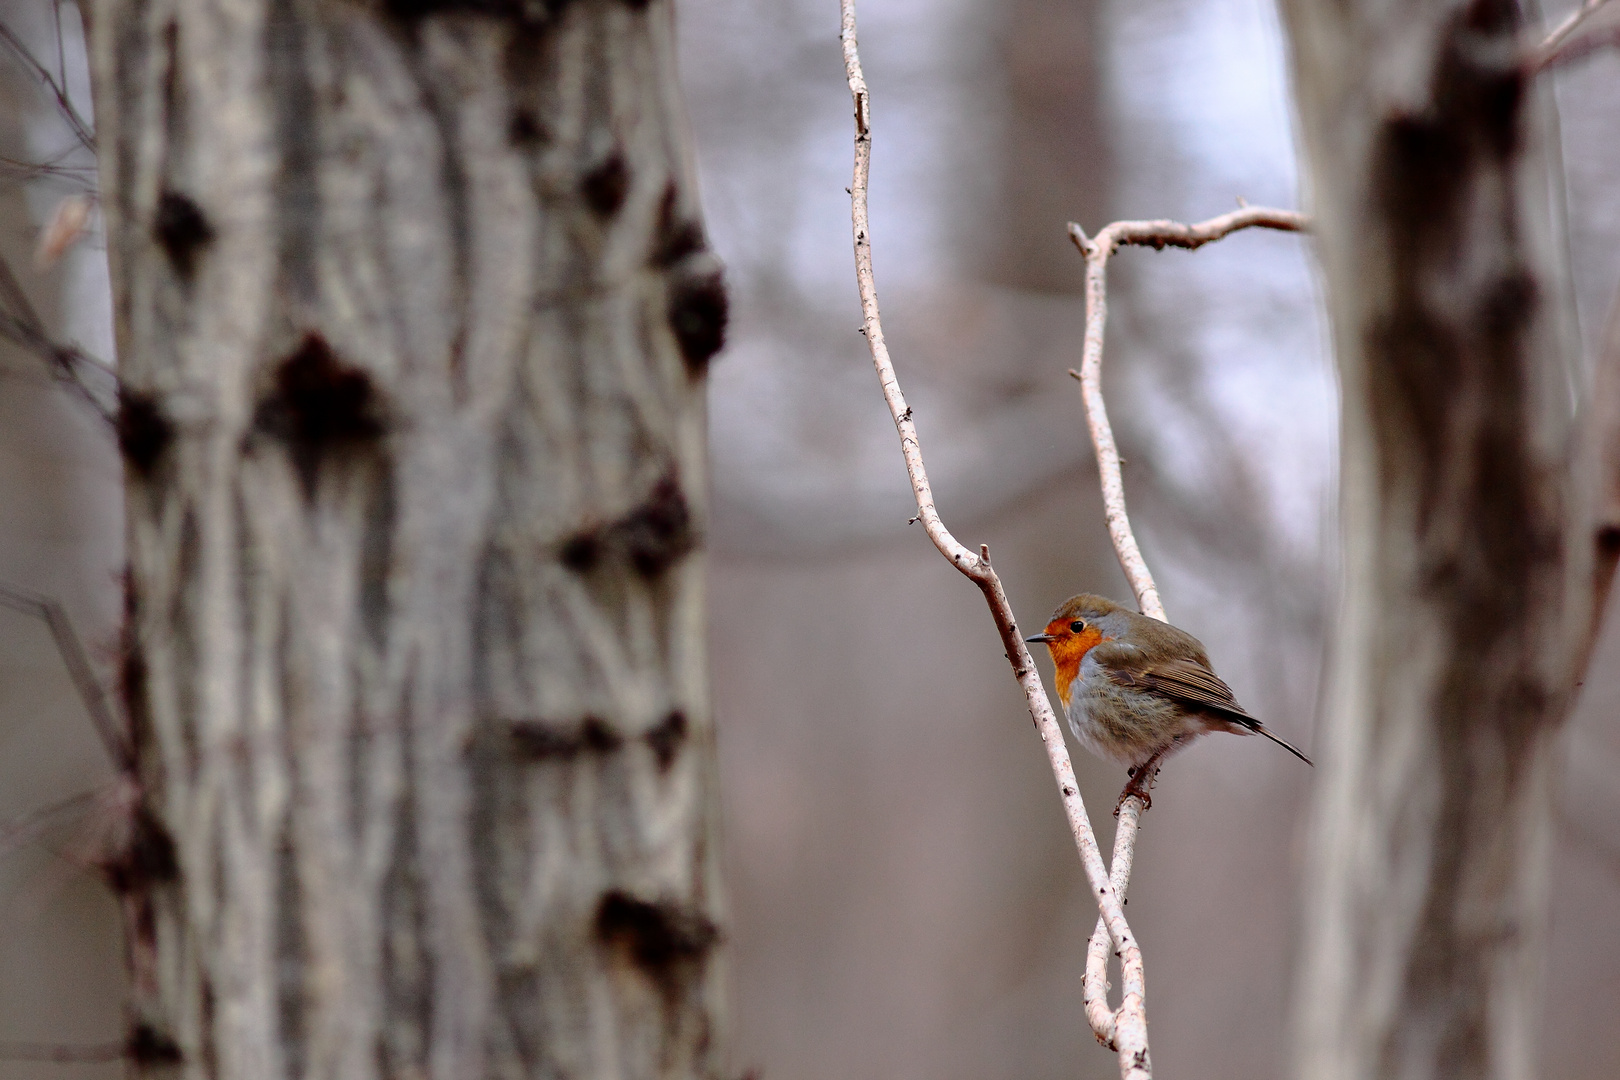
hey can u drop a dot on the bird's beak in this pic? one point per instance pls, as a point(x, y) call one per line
point(1042, 639)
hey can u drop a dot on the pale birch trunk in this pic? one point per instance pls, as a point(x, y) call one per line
point(413, 308)
point(1467, 578)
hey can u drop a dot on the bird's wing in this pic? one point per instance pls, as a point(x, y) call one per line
point(1184, 681)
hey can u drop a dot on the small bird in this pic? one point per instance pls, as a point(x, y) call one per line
point(1136, 689)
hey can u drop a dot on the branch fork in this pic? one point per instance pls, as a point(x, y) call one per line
point(1126, 1031)
point(1123, 1030)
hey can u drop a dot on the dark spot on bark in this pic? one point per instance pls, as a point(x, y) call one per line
point(525, 11)
point(540, 740)
point(152, 851)
point(659, 531)
point(525, 129)
point(1507, 306)
point(1608, 540)
point(598, 735)
point(581, 552)
point(652, 537)
point(667, 737)
point(183, 231)
point(150, 857)
point(1427, 160)
point(132, 684)
point(605, 186)
point(147, 1045)
point(658, 936)
point(144, 432)
point(676, 237)
point(697, 315)
point(319, 405)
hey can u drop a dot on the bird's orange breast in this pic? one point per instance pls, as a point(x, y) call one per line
point(1067, 652)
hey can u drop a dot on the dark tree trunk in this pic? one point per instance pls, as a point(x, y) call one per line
point(1467, 589)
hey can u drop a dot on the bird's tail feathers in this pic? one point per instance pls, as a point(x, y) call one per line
point(1261, 729)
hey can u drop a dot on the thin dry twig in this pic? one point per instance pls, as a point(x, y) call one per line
point(1128, 1030)
point(1562, 45)
point(1157, 235)
point(1095, 990)
point(77, 661)
point(93, 380)
point(80, 127)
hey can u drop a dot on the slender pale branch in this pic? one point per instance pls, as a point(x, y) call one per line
point(1157, 235)
point(77, 661)
point(1129, 1026)
point(1560, 45)
point(21, 324)
point(1095, 992)
point(58, 90)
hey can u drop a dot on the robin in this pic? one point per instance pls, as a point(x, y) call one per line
point(1136, 689)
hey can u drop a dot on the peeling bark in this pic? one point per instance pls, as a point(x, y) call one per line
point(1467, 578)
point(413, 305)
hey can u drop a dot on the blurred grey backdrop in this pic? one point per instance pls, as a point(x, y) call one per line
point(905, 900)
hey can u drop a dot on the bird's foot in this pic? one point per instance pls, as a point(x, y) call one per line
point(1141, 781)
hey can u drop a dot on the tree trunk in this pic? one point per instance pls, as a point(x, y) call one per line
point(1466, 583)
point(413, 307)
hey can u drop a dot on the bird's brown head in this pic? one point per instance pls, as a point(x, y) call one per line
point(1074, 629)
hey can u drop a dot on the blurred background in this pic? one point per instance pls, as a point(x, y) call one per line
point(905, 898)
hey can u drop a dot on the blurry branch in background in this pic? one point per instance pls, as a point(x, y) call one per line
point(20, 322)
point(1157, 235)
point(55, 85)
point(1126, 1030)
point(106, 836)
point(1575, 37)
point(1598, 477)
point(112, 732)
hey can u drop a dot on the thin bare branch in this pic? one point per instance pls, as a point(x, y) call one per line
point(79, 670)
point(1563, 44)
point(91, 379)
point(30, 826)
point(1095, 993)
point(1157, 235)
point(1128, 1030)
point(58, 91)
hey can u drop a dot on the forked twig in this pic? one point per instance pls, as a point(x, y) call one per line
point(76, 123)
point(1560, 45)
point(102, 716)
point(1128, 1027)
point(93, 380)
point(1157, 235)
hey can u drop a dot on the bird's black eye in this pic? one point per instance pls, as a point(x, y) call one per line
point(1078, 626)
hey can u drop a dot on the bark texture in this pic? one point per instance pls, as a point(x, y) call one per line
point(1467, 584)
point(413, 308)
